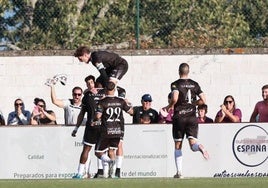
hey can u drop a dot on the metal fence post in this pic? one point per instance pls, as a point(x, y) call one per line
point(138, 24)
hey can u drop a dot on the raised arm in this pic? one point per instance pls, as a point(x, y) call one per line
point(57, 102)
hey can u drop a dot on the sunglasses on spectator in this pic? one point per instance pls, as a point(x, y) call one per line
point(226, 102)
point(18, 104)
point(77, 94)
point(40, 105)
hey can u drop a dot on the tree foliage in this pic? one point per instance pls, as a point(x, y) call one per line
point(59, 24)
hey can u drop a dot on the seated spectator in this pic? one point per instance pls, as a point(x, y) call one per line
point(19, 116)
point(228, 112)
point(42, 116)
point(166, 113)
point(146, 102)
point(260, 112)
point(2, 119)
point(202, 111)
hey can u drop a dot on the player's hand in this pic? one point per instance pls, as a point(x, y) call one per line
point(92, 124)
point(163, 112)
point(94, 90)
point(96, 123)
point(74, 133)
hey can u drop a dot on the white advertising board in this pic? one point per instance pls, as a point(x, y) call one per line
point(236, 150)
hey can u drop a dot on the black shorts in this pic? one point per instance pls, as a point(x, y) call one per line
point(105, 143)
point(91, 135)
point(119, 71)
point(184, 126)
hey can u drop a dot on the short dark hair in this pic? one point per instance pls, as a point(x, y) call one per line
point(77, 87)
point(37, 100)
point(170, 95)
point(110, 86)
point(100, 81)
point(184, 69)
point(264, 87)
point(81, 51)
point(203, 106)
point(90, 77)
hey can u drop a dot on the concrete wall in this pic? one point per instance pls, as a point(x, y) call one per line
point(219, 75)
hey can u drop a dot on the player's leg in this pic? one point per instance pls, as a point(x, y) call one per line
point(119, 71)
point(99, 173)
point(82, 162)
point(178, 134)
point(119, 159)
point(100, 169)
point(95, 135)
point(114, 142)
point(105, 159)
point(101, 149)
point(87, 167)
point(195, 146)
point(192, 132)
point(104, 162)
point(117, 74)
point(178, 158)
point(88, 141)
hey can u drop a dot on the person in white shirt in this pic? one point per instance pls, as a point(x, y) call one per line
point(71, 107)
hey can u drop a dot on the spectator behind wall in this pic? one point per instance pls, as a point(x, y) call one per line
point(202, 111)
point(146, 102)
point(145, 118)
point(166, 113)
point(260, 112)
point(2, 119)
point(71, 106)
point(42, 116)
point(228, 112)
point(19, 116)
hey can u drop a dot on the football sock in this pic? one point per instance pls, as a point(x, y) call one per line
point(119, 160)
point(105, 169)
point(99, 163)
point(100, 171)
point(117, 172)
point(81, 168)
point(178, 160)
point(195, 147)
point(87, 165)
point(105, 158)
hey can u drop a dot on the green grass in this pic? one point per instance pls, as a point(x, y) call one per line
point(142, 183)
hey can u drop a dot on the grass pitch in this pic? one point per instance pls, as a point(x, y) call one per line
point(139, 183)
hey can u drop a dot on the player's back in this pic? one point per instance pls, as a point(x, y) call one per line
point(188, 92)
point(112, 118)
point(110, 60)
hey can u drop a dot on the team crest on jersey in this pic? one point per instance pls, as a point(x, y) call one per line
point(173, 86)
